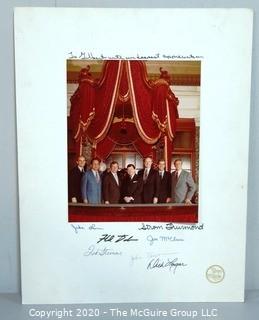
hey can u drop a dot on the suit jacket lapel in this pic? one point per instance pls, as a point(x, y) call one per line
point(94, 178)
point(180, 177)
point(92, 175)
point(149, 174)
point(176, 180)
point(164, 176)
point(133, 179)
point(115, 180)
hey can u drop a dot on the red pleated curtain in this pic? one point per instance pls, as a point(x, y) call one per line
point(96, 110)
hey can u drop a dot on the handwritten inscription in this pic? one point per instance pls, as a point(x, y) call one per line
point(156, 56)
point(116, 238)
point(95, 251)
point(170, 264)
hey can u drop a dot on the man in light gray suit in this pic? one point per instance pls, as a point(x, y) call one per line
point(91, 184)
point(183, 186)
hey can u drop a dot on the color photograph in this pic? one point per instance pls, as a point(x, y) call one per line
point(133, 140)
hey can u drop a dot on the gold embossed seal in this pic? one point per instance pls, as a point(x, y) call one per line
point(215, 274)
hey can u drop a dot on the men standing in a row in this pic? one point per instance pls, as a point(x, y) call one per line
point(112, 185)
point(91, 184)
point(151, 182)
point(74, 180)
point(165, 180)
point(132, 186)
point(183, 186)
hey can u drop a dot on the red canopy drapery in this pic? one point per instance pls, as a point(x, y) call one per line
point(95, 103)
point(123, 107)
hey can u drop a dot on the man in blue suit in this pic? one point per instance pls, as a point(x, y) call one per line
point(91, 184)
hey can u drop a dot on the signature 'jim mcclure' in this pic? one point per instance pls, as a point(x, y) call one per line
point(171, 264)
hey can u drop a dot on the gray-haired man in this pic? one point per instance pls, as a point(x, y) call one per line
point(183, 186)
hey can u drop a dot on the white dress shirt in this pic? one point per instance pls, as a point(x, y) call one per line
point(178, 173)
point(161, 173)
point(115, 177)
point(96, 174)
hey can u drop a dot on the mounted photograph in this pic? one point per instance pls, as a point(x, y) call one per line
point(133, 140)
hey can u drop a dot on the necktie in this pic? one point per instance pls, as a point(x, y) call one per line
point(116, 178)
point(96, 176)
point(161, 175)
point(145, 175)
point(176, 175)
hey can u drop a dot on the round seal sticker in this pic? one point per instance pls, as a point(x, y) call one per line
point(215, 274)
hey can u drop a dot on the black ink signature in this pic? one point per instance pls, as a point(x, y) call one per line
point(172, 226)
point(172, 265)
point(118, 238)
point(150, 227)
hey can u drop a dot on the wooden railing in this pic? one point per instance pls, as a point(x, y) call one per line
point(79, 212)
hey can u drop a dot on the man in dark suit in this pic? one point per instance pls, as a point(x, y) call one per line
point(74, 181)
point(165, 181)
point(183, 186)
point(132, 186)
point(112, 185)
point(150, 182)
